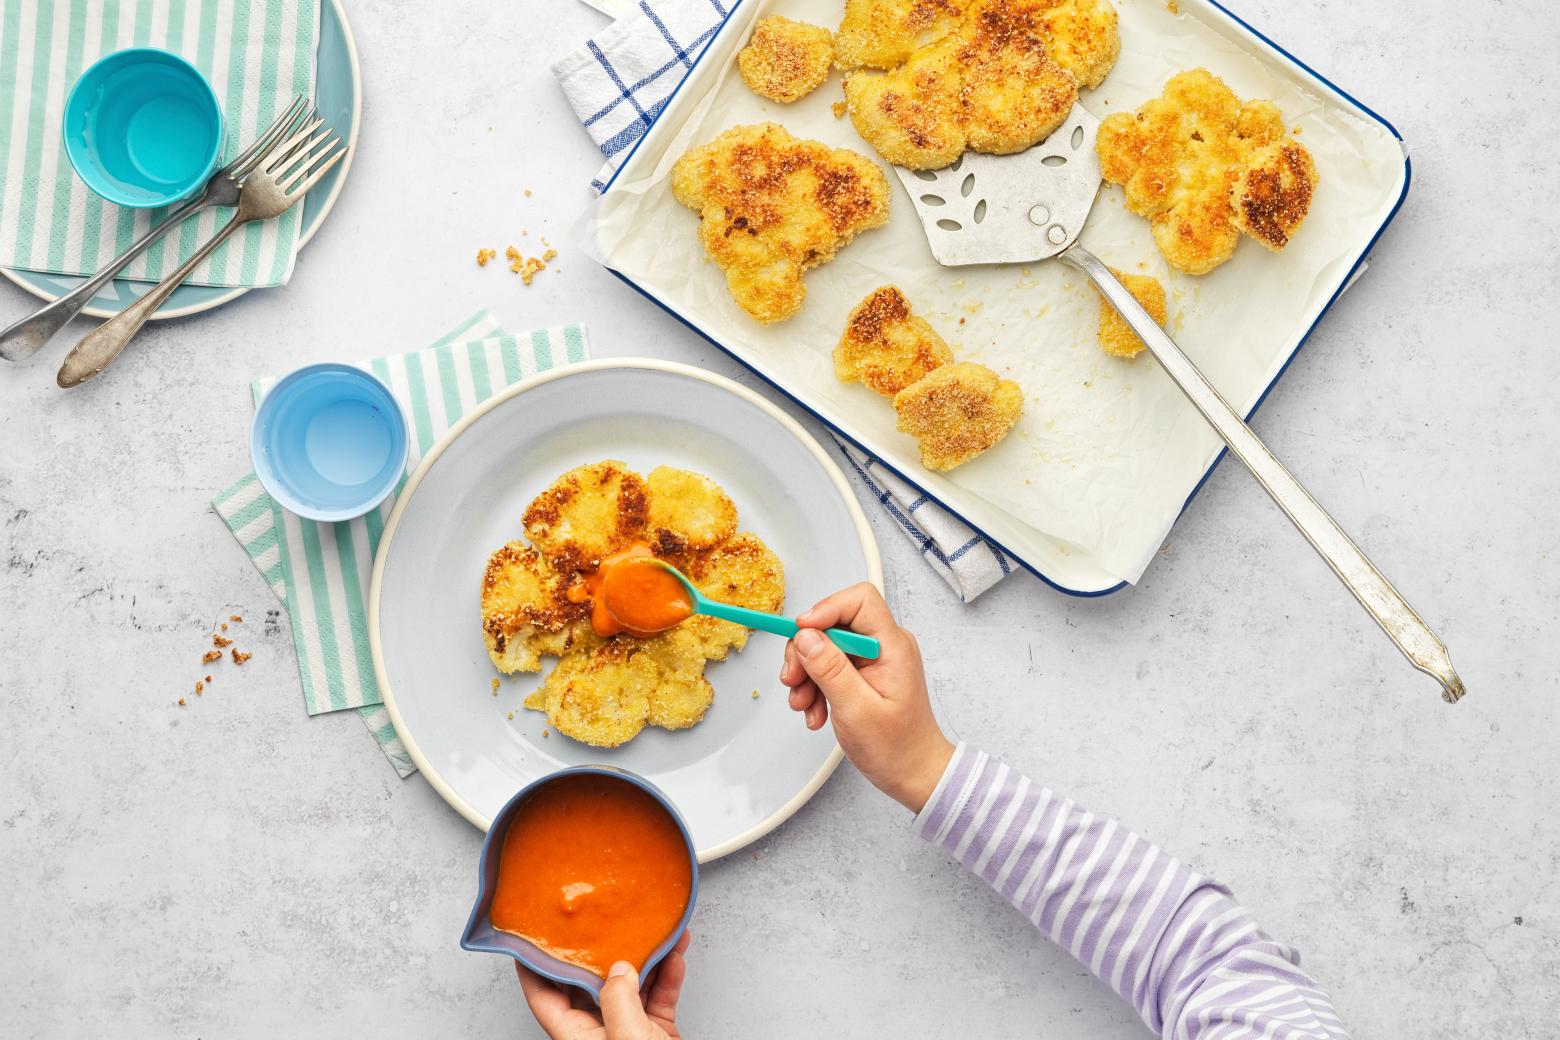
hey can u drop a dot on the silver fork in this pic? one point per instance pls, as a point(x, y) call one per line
point(281, 177)
point(27, 336)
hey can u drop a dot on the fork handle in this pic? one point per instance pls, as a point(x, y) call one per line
point(1405, 628)
point(25, 337)
point(100, 346)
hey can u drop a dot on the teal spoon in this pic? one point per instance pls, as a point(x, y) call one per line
point(853, 643)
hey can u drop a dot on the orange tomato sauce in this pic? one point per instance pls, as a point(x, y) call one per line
point(593, 871)
point(631, 592)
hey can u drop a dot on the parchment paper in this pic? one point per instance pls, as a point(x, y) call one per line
point(1088, 484)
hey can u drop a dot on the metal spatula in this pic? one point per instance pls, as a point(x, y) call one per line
point(1022, 208)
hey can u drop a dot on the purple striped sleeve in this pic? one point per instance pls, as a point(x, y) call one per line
point(1171, 942)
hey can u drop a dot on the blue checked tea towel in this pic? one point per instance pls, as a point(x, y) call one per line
point(617, 84)
point(321, 571)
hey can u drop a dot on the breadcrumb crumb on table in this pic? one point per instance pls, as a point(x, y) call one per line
point(211, 655)
point(236, 618)
point(219, 641)
point(181, 702)
point(484, 255)
point(239, 657)
point(532, 267)
point(1116, 336)
point(785, 61)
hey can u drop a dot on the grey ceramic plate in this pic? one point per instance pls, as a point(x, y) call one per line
point(750, 764)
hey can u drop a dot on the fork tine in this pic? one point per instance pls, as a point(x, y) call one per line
point(314, 178)
point(324, 155)
point(297, 155)
point(281, 151)
point(245, 160)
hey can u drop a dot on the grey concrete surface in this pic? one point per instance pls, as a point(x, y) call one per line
point(236, 869)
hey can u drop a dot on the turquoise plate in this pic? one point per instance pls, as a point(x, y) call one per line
point(338, 95)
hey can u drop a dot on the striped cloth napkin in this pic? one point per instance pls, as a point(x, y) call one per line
point(257, 55)
point(321, 571)
point(617, 84)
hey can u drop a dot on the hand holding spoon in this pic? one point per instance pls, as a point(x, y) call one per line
point(635, 591)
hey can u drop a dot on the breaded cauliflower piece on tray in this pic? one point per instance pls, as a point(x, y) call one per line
point(785, 60)
point(1203, 167)
point(1116, 337)
point(994, 76)
point(586, 514)
point(886, 346)
point(771, 206)
point(880, 34)
point(957, 412)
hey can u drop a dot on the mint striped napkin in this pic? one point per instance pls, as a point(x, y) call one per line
point(257, 55)
point(321, 571)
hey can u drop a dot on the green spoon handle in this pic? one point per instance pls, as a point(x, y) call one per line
point(853, 643)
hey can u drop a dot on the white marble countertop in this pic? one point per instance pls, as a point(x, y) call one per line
point(184, 873)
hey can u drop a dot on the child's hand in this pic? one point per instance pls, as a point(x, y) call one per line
point(882, 715)
point(626, 1014)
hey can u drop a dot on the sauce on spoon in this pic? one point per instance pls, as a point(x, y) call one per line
point(632, 592)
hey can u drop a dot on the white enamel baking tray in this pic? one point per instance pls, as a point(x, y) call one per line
point(1107, 455)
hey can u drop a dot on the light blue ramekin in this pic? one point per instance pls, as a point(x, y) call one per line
point(481, 937)
point(329, 442)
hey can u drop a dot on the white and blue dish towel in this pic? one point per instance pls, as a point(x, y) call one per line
point(618, 82)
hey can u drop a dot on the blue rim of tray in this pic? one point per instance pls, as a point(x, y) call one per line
point(335, 37)
point(1343, 285)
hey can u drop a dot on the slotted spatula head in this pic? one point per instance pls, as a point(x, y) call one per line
point(1003, 209)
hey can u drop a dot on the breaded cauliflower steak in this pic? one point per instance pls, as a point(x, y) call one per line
point(604, 691)
point(771, 206)
point(957, 412)
point(994, 76)
point(1203, 167)
point(886, 346)
point(785, 60)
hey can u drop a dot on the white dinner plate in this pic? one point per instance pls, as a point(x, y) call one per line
point(751, 763)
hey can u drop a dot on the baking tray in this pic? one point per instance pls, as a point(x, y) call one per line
point(1081, 511)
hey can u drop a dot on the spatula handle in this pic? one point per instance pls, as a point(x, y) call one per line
point(1391, 611)
point(853, 643)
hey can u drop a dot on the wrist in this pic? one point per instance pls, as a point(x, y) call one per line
point(915, 789)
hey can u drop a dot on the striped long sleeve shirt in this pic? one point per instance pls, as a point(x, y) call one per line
point(1171, 942)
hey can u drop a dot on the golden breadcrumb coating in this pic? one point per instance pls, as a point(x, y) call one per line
point(586, 514)
point(1116, 337)
point(603, 691)
point(785, 60)
point(880, 34)
point(958, 411)
point(522, 605)
point(1203, 167)
point(995, 76)
point(683, 694)
point(887, 347)
point(688, 512)
point(771, 206)
point(602, 697)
